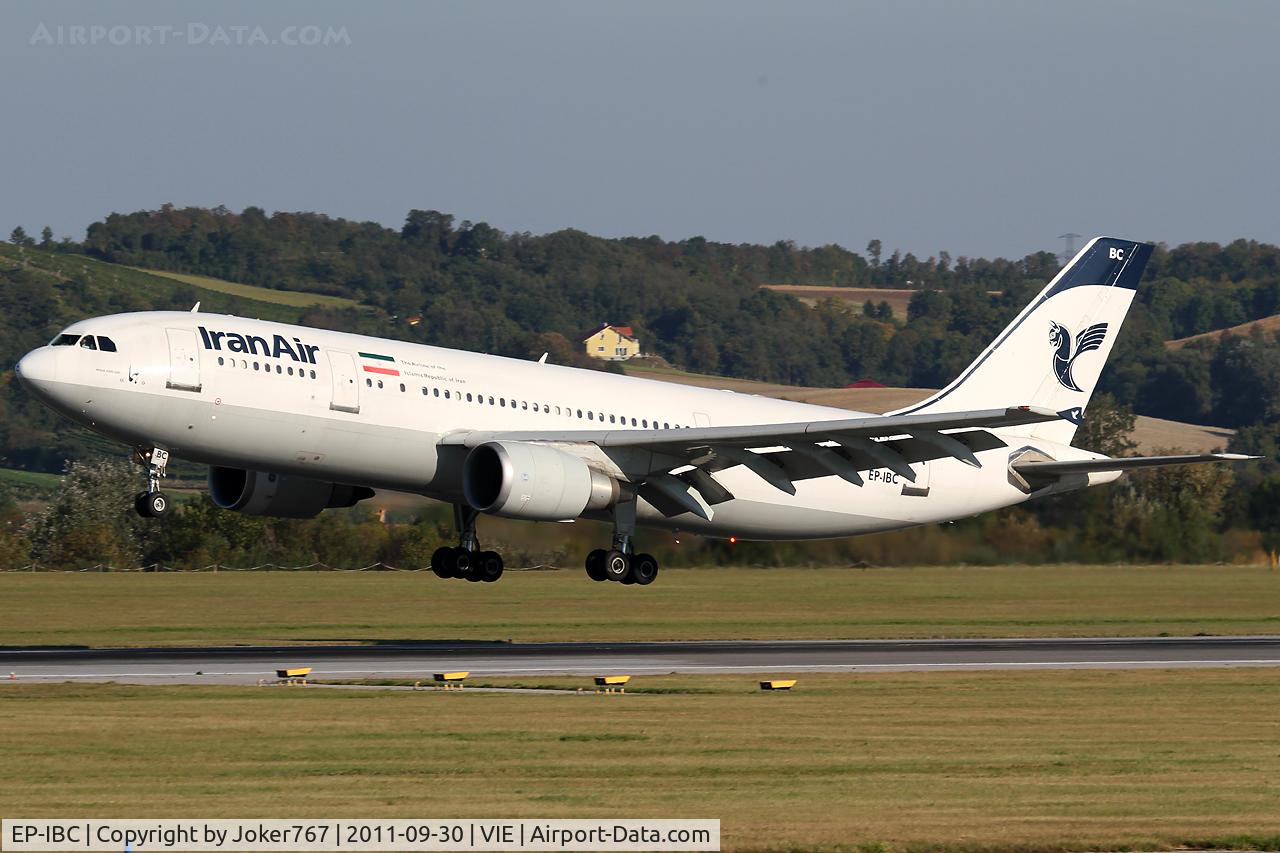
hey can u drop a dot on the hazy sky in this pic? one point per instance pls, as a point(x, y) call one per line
point(981, 128)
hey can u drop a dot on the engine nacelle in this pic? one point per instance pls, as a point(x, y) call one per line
point(533, 481)
point(266, 493)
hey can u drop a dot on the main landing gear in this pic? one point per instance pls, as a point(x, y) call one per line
point(467, 561)
point(152, 503)
point(620, 563)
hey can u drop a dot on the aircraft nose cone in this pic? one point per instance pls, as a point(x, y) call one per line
point(38, 367)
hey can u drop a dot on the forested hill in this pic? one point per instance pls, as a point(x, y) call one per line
point(699, 304)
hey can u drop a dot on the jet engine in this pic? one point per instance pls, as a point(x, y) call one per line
point(267, 493)
point(533, 481)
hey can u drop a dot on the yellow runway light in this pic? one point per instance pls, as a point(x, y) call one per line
point(450, 680)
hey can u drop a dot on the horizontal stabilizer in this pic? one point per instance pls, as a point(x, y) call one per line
point(1089, 466)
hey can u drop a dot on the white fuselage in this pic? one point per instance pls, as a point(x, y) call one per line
point(367, 411)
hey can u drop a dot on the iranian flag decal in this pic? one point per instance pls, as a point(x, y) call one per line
point(386, 366)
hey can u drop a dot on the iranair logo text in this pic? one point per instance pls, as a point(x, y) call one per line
point(1063, 354)
point(278, 347)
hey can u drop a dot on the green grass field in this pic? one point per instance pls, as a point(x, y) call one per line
point(313, 607)
point(29, 480)
point(1067, 760)
point(292, 298)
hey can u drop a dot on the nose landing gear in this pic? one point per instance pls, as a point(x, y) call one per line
point(152, 503)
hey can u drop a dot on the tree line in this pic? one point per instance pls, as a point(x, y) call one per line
point(698, 304)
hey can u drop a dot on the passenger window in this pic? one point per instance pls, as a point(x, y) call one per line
point(524, 406)
point(380, 385)
point(435, 392)
point(106, 344)
point(401, 387)
point(591, 416)
point(502, 401)
point(579, 413)
point(65, 340)
point(290, 370)
point(219, 361)
point(468, 396)
point(279, 369)
point(490, 401)
point(612, 419)
point(633, 421)
point(255, 365)
point(666, 426)
point(87, 342)
point(446, 393)
point(368, 383)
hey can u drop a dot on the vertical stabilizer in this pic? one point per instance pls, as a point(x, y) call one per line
point(1053, 352)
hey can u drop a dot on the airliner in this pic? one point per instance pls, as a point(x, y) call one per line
point(293, 420)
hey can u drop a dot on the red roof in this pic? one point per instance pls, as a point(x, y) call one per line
point(866, 383)
point(622, 330)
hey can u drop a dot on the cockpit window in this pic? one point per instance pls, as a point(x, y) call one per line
point(87, 342)
point(106, 344)
point(65, 340)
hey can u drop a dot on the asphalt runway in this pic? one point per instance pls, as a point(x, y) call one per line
point(249, 664)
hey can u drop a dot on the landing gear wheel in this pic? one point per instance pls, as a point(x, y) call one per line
point(440, 562)
point(158, 504)
point(459, 563)
point(595, 565)
point(644, 569)
point(616, 566)
point(152, 504)
point(488, 566)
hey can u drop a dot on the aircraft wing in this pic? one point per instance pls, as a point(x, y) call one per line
point(1051, 468)
point(779, 454)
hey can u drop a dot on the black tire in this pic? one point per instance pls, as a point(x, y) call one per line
point(460, 563)
point(158, 505)
point(595, 564)
point(440, 562)
point(488, 567)
point(140, 505)
point(644, 569)
point(617, 566)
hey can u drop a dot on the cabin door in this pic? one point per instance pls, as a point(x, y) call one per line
point(346, 387)
point(184, 360)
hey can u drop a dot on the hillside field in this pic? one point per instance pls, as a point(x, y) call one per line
point(292, 298)
point(1150, 433)
point(1267, 325)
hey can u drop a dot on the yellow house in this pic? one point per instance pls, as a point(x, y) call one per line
point(611, 343)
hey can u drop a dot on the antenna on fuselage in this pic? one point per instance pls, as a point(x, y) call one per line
point(195, 309)
point(543, 360)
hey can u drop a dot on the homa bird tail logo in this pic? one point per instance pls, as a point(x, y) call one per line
point(1063, 357)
